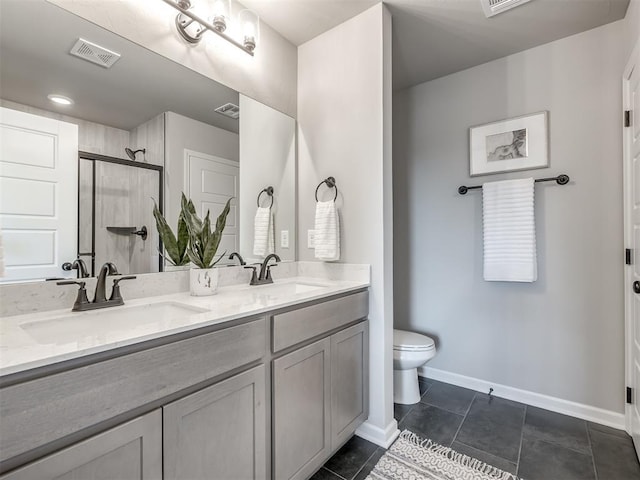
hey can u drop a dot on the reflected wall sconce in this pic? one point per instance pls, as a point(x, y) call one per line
point(192, 25)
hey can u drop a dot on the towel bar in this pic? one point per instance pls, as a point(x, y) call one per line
point(330, 182)
point(268, 191)
point(560, 180)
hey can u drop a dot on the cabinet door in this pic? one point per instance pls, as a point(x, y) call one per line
point(218, 432)
point(349, 382)
point(301, 403)
point(131, 451)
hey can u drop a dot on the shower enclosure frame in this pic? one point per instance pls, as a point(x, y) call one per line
point(94, 157)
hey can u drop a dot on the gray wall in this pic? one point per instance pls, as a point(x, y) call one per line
point(185, 133)
point(268, 152)
point(344, 129)
point(631, 27)
point(563, 335)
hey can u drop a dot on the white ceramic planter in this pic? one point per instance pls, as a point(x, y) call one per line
point(203, 281)
point(176, 268)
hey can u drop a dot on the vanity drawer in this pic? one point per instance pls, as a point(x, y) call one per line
point(302, 324)
point(43, 410)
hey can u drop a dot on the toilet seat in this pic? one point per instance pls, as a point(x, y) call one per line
point(411, 341)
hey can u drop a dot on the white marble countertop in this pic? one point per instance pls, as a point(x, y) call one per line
point(39, 339)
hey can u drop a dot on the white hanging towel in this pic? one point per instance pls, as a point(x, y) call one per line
point(327, 232)
point(263, 234)
point(509, 231)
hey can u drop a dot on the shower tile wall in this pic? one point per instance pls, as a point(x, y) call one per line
point(150, 135)
point(124, 199)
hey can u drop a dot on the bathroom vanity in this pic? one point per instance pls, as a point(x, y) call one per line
point(255, 382)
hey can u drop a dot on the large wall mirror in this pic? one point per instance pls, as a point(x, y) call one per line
point(80, 180)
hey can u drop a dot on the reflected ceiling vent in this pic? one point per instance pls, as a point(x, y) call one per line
point(94, 53)
point(229, 110)
point(494, 7)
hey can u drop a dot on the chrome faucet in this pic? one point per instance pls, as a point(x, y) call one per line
point(264, 277)
point(82, 303)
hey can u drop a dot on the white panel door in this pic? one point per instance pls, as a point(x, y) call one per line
point(38, 195)
point(632, 239)
point(210, 182)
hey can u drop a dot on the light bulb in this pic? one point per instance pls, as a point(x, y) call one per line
point(221, 13)
point(250, 25)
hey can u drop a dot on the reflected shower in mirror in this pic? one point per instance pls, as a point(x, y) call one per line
point(115, 220)
point(211, 142)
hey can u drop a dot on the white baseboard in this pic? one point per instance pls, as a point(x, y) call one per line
point(381, 437)
point(566, 407)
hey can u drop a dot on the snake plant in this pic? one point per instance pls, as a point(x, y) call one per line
point(203, 242)
point(175, 246)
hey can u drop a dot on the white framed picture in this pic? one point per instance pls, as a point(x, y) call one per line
point(519, 143)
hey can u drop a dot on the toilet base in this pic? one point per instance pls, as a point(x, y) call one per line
point(405, 386)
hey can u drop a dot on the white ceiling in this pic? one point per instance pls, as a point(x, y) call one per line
point(139, 86)
point(433, 38)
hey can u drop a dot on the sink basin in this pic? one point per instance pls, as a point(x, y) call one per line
point(81, 325)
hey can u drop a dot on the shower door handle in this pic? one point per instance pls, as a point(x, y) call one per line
point(141, 233)
point(636, 286)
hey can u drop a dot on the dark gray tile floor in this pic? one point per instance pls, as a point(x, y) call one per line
point(533, 443)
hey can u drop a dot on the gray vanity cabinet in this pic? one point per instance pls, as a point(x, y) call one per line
point(132, 450)
point(321, 389)
point(218, 432)
point(349, 382)
point(301, 411)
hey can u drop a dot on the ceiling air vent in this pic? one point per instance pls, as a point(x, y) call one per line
point(229, 110)
point(94, 53)
point(494, 7)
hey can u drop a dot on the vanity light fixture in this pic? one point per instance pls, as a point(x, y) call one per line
point(192, 25)
point(60, 99)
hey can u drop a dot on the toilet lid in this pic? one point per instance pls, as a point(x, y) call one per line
point(403, 340)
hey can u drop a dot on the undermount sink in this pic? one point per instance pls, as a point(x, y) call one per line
point(101, 322)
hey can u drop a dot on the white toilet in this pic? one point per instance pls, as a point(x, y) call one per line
point(410, 351)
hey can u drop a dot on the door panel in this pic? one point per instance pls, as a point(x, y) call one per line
point(211, 181)
point(349, 382)
point(631, 102)
point(301, 407)
point(218, 432)
point(131, 451)
point(38, 195)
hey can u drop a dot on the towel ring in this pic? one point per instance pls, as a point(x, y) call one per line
point(268, 191)
point(331, 183)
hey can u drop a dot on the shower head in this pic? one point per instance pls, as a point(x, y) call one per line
point(132, 154)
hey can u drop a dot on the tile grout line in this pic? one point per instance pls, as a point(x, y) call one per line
point(524, 420)
point(464, 417)
point(593, 457)
point(331, 471)
point(365, 463)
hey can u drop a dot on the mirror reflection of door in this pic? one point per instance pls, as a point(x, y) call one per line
point(210, 182)
point(38, 210)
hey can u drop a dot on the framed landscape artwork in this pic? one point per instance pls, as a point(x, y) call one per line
point(519, 143)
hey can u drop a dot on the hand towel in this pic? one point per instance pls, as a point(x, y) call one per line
point(327, 232)
point(509, 231)
point(263, 233)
